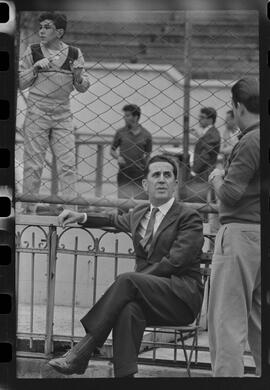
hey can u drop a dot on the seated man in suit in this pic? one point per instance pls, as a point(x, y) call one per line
point(165, 289)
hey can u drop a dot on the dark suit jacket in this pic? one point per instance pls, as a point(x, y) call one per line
point(174, 252)
point(205, 153)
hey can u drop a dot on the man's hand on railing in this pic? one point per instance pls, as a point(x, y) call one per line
point(68, 217)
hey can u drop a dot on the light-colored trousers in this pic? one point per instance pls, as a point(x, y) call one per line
point(41, 129)
point(234, 314)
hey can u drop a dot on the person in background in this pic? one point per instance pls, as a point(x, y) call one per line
point(207, 146)
point(235, 285)
point(131, 147)
point(229, 136)
point(205, 156)
point(51, 70)
point(166, 287)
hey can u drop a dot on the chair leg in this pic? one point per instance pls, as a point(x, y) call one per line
point(185, 353)
point(154, 344)
point(193, 347)
point(175, 347)
point(196, 348)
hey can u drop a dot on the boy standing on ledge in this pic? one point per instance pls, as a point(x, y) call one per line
point(51, 70)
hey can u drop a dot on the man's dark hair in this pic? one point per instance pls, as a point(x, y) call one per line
point(210, 112)
point(59, 20)
point(230, 112)
point(246, 91)
point(160, 158)
point(134, 109)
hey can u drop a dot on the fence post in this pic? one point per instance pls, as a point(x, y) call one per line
point(51, 268)
point(99, 170)
point(187, 77)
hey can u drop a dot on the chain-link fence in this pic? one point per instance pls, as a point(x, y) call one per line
point(170, 64)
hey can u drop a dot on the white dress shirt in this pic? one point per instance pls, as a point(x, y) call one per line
point(162, 211)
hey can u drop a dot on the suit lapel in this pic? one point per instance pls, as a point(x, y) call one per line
point(137, 217)
point(167, 220)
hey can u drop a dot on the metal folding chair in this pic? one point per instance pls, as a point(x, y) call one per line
point(188, 331)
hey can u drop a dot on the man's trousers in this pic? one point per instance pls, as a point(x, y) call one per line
point(235, 299)
point(131, 303)
point(41, 130)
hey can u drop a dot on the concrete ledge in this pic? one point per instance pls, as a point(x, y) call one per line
point(38, 368)
point(106, 350)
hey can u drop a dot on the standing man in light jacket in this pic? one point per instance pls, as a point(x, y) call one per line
point(235, 286)
point(51, 70)
point(165, 289)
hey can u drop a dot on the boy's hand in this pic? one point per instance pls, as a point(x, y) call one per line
point(77, 72)
point(44, 63)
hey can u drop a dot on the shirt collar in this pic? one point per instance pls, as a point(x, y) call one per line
point(130, 131)
point(248, 129)
point(165, 207)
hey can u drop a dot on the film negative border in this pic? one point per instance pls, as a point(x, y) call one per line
point(7, 223)
point(264, 35)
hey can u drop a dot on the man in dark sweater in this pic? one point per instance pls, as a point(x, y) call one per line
point(131, 147)
point(235, 292)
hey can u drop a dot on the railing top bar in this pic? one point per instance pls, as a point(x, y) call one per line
point(37, 220)
point(43, 220)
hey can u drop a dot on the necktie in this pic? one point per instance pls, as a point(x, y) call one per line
point(146, 241)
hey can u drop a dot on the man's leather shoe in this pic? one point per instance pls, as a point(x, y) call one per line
point(75, 361)
point(61, 365)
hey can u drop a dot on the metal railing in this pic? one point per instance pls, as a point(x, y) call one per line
point(39, 238)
